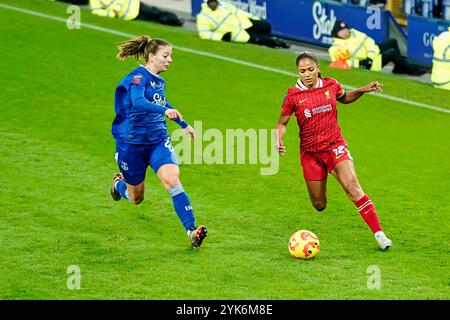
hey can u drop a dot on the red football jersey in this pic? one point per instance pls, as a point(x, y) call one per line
point(315, 109)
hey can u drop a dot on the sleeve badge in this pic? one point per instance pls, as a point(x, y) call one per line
point(137, 80)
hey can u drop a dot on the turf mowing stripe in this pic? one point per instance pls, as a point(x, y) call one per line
point(216, 56)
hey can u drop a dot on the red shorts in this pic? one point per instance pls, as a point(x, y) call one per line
point(317, 165)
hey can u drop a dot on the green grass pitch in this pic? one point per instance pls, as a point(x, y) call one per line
point(57, 160)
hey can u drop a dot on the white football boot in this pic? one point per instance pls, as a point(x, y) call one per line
point(383, 242)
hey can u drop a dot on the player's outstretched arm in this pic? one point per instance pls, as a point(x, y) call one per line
point(189, 131)
point(140, 102)
point(280, 132)
point(173, 114)
point(183, 124)
point(354, 95)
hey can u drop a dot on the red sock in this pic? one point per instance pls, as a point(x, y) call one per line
point(367, 211)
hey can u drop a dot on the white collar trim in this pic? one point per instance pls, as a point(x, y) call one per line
point(153, 74)
point(301, 86)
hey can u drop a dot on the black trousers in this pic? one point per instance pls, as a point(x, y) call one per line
point(150, 13)
point(260, 27)
point(264, 40)
point(260, 33)
point(391, 53)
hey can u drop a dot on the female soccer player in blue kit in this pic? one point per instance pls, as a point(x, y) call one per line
point(140, 131)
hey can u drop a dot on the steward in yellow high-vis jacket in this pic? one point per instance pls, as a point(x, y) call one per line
point(215, 20)
point(223, 21)
point(133, 9)
point(440, 74)
point(356, 47)
point(123, 9)
point(360, 51)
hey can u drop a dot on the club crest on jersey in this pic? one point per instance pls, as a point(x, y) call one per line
point(124, 165)
point(153, 84)
point(327, 94)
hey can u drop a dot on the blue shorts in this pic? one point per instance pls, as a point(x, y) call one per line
point(133, 159)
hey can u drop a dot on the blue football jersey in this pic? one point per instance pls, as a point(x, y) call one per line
point(140, 104)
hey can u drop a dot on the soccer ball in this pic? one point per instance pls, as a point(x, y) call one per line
point(304, 244)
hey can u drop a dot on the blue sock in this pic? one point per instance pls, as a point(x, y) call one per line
point(121, 187)
point(182, 206)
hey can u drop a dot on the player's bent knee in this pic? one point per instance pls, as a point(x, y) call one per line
point(355, 193)
point(172, 180)
point(353, 189)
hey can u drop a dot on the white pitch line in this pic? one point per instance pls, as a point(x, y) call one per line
point(216, 56)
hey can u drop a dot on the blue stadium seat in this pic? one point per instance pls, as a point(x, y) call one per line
point(446, 10)
point(427, 8)
point(409, 7)
point(438, 9)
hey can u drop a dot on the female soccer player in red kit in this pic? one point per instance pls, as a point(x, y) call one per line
point(323, 150)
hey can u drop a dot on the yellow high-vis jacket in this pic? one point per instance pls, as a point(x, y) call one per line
point(440, 74)
point(123, 9)
point(359, 47)
point(212, 25)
